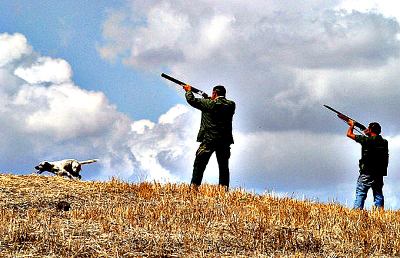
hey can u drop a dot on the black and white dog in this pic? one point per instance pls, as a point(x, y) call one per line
point(66, 167)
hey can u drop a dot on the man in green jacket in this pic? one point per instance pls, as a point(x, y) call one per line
point(215, 134)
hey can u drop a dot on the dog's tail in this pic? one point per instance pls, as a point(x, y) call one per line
point(88, 161)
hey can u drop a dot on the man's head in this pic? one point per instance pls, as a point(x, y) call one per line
point(218, 91)
point(374, 128)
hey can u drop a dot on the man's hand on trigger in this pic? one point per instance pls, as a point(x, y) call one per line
point(187, 87)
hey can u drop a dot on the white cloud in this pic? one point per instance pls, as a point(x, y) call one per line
point(64, 111)
point(115, 31)
point(321, 37)
point(217, 30)
point(386, 7)
point(166, 149)
point(172, 114)
point(12, 47)
point(141, 126)
point(47, 116)
point(46, 69)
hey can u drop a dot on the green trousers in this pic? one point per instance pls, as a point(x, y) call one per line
point(203, 154)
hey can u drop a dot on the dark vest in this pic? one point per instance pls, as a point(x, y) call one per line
point(374, 155)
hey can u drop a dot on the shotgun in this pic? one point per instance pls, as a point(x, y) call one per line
point(195, 90)
point(347, 118)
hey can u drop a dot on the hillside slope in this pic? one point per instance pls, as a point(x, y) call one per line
point(117, 219)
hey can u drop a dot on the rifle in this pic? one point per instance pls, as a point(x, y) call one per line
point(346, 119)
point(195, 90)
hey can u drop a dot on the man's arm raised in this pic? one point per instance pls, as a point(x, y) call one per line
point(350, 133)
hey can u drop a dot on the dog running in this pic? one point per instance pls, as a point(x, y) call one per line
point(67, 167)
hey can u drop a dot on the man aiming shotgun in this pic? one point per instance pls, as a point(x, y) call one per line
point(373, 163)
point(215, 134)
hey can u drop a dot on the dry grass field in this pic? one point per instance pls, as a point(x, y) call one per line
point(117, 219)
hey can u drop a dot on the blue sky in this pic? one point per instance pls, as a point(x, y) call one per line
point(71, 30)
point(81, 79)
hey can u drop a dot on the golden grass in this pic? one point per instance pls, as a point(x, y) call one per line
point(118, 219)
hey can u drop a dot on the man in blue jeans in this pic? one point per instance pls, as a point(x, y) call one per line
point(373, 164)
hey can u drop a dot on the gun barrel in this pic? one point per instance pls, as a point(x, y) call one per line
point(332, 109)
point(346, 118)
point(172, 79)
point(195, 90)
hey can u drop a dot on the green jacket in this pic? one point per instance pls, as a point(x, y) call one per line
point(216, 119)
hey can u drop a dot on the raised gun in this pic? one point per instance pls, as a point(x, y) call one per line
point(347, 118)
point(195, 90)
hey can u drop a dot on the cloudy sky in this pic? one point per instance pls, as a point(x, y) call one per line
point(81, 79)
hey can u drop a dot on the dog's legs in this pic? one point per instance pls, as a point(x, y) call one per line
point(76, 168)
point(68, 174)
point(63, 172)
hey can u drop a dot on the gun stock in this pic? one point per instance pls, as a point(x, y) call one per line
point(195, 90)
point(347, 118)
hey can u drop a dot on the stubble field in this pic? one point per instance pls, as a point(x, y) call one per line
point(118, 219)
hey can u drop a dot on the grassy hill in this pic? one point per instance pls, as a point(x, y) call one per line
point(117, 219)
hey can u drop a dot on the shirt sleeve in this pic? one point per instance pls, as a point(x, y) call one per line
point(199, 103)
point(360, 139)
